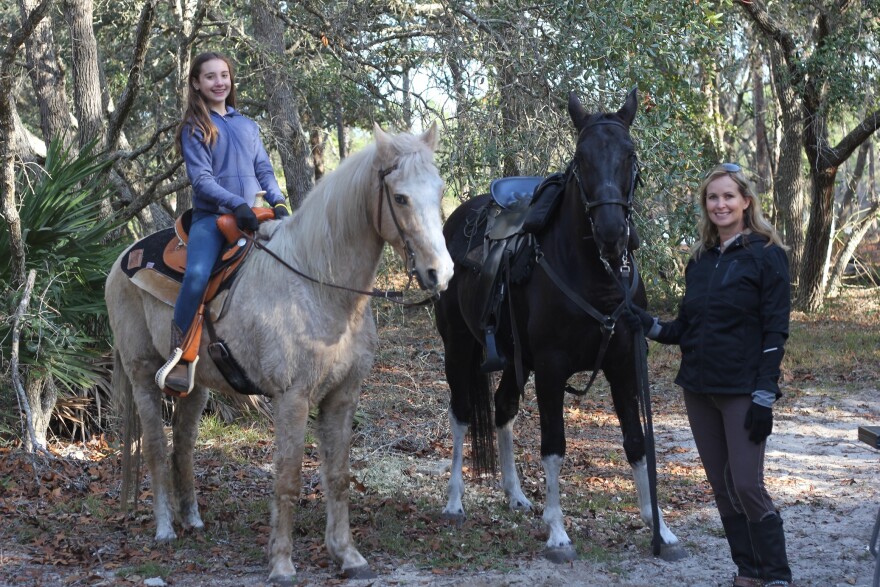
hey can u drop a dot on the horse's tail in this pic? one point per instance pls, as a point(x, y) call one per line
point(131, 432)
point(482, 427)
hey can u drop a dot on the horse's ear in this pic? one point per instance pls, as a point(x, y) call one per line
point(431, 137)
point(381, 137)
point(628, 112)
point(576, 109)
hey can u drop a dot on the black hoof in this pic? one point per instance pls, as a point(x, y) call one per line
point(559, 555)
point(364, 572)
point(283, 582)
point(672, 552)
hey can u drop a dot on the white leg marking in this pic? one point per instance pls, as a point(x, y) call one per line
point(552, 509)
point(509, 476)
point(640, 476)
point(163, 512)
point(455, 488)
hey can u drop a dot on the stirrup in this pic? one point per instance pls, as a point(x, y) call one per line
point(172, 361)
point(495, 361)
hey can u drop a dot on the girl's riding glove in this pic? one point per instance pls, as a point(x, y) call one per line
point(245, 218)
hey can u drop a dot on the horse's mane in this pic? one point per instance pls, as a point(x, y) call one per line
point(335, 214)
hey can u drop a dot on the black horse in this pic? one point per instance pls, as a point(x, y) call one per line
point(564, 321)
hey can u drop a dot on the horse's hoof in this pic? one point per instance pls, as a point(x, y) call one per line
point(560, 554)
point(283, 581)
point(361, 572)
point(456, 518)
point(672, 552)
point(520, 506)
point(166, 537)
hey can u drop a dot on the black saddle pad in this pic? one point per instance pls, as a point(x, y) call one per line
point(147, 254)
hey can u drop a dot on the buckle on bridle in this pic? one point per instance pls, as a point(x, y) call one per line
point(608, 325)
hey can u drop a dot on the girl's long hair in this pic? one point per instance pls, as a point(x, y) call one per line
point(753, 216)
point(198, 115)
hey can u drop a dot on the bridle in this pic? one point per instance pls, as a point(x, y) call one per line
point(573, 173)
point(407, 246)
point(627, 276)
point(386, 294)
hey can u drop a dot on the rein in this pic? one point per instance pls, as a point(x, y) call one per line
point(641, 346)
point(375, 293)
point(606, 322)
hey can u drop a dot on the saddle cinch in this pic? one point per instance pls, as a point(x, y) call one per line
point(156, 264)
point(519, 208)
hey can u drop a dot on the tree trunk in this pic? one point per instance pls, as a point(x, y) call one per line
point(47, 80)
point(185, 13)
point(849, 204)
point(762, 144)
point(42, 395)
point(810, 288)
point(317, 143)
point(9, 209)
point(341, 129)
point(290, 140)
point(8, 204)
point(84, 64)
point(788, 185)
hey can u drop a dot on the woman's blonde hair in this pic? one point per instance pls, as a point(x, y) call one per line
point(753, 216)
point(198, 115)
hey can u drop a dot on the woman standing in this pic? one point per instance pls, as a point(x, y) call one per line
point(732, 327)
point(227, 166)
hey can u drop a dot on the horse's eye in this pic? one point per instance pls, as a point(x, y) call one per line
point(401, 199)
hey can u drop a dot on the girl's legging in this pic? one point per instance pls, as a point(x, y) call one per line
point(734, 464)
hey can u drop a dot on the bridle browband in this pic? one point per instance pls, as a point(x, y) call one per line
point(387, 294)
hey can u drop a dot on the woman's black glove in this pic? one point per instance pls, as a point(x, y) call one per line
point(280, 211)
point(245, 218)
point(635, 318)
point(759, 420)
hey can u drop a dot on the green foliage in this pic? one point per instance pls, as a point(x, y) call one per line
point(63, 232)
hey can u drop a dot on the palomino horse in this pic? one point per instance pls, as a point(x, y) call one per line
point(583, 258)
point(304, 343)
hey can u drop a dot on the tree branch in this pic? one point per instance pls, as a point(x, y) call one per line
point(854, 139)
point(132, 87)
point(783, 38)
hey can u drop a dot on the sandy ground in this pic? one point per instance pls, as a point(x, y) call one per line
point(823, 479)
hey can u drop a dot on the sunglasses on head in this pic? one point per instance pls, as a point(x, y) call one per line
point(728, 167)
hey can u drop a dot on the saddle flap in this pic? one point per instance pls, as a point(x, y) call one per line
point(514, 192)
point(505, 222)
point(174, 254)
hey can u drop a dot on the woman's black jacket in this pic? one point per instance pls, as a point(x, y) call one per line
point(733, 321)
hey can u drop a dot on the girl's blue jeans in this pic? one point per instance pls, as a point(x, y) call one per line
point(205, 243)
